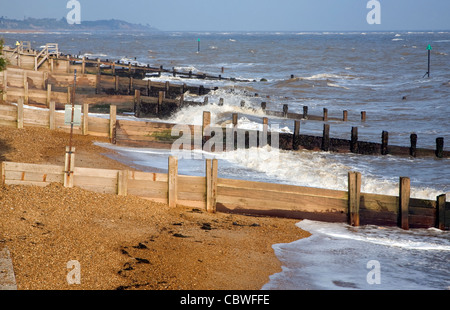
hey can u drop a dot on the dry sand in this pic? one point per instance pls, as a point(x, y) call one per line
point(124, 242)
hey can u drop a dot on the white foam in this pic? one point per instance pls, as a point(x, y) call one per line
point(338, 256)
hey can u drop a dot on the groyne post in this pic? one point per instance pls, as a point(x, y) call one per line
point(211, 185)
point(52, 119)
point(85, 128)
point(384, 142)
point(69, 166)
point(296, 136)
point(205, 124)
point(344, 115)
point(112, 123)
point(354, 140)
point(413, 148)
point(326, 138)
point(172, 182)
point(440, 147)
point(325, 114)
point(440, 209)
point(20, 113)
point(305, 112)
point(405, 191)
point(354, 198)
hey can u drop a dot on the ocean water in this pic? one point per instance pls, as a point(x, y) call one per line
point(380, 73)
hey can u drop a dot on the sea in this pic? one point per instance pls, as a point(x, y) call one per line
point(384, 74)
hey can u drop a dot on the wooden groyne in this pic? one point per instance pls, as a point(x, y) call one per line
point(163, 135)
point(213, 194)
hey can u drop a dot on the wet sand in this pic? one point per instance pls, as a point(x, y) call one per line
point(124, 243)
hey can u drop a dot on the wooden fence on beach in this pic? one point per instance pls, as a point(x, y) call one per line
point(213, 194)
point(163, 134)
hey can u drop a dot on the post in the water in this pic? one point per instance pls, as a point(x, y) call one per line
point(429, 48)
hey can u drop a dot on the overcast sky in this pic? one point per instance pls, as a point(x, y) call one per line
point(247, 15)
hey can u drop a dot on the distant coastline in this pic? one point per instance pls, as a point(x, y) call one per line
point(48, 24)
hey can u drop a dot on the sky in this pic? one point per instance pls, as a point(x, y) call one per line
point(247, 15)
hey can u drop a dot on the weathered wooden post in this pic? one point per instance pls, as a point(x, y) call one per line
point(205, 125)
point(20, 113)
point(384, 142)
point(49, 94)
point(211, 185)
point(122, 182)
point(345, 116)
point(160, 102)
point(440, 212)
point(326, 138)
point(354, 198)
point(235, 119)
point(440, 147)
point(413, 148)
point(363, 116)
point(404, 197)
point(116, 84)
point(130, 85)
point(85, 128)
point(296, 136)
point(25, 90)
point(263, 106)
point(173, 182)
point(25, 86)
point(354, 140)
point(325, 114)
point(264, 134)
point(52, 119)
point(285, 110)
point(112, 123)
point(305, 112)
point(137, 103)
point(167, 88)
point(69, 166)
point(98, 67)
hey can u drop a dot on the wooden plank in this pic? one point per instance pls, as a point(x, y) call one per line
point(173, 181)
point(26, 183)
point(36, 117)
point(283, 188)
point(99, 182)
point(306, 206)
point(92, 172)
point(379, 203)
point(280, 200)
point(148, 176)
point(33, 176)
point(191, 184)
point(49, 169)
